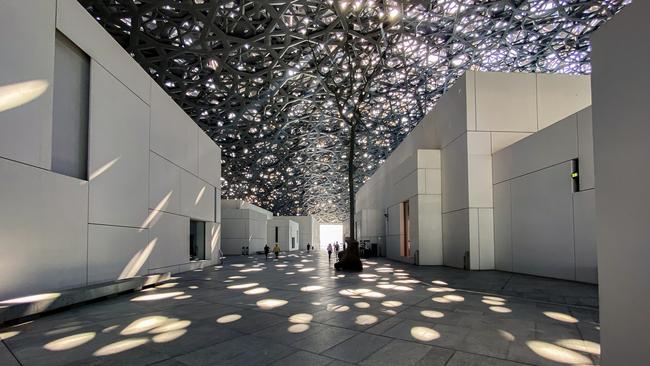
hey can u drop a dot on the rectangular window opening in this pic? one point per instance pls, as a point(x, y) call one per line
point(405, 223)
point(197, 240)
point(70, 109)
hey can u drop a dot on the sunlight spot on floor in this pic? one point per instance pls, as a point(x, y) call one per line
point(493, 302)
point(366, 319)
point(256, 291)
point(311, 288)
point(558, 354)
point(268, 304)
point(454, 298)
point(242, 286)
point(391, 303)
point(424, 334)
point(506, 335)
point(169, 336)
point(120, 346)
point(500, 309)
point(144, 324)
point(432, 314)
point(337, 308)
point(301, 318)
point(161, 296)
point(298, 328)
point(566, 318)
point(170, 325)
point(362, 305)
point(182, 297)
point(69, 342)
point(441, 283)
point(580, 345)
point(228, 318)
point(441, 300)
point(7, 335)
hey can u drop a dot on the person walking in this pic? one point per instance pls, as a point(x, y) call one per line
point(276, 250)
point(336, 250)
point(266, 251)
point(329, 252)
point(308, 247)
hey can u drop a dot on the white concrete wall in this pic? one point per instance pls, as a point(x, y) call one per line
point(621, 130)
point(417, 179)
point(542, 226)
point(148, 172)
point(309, 230)
point(243, 224)
point(479, 115)
point(288, 233)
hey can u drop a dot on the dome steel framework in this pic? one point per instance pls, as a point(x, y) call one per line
point(270, 81)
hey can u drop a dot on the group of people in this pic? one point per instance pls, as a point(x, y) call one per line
point(276, 250)
point(336, 247)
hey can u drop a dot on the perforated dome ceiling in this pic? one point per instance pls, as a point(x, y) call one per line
point(251, 74)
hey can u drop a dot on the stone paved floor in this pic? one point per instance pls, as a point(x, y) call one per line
point(298, 311)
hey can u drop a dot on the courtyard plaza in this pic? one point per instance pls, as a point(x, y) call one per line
point(297, 310)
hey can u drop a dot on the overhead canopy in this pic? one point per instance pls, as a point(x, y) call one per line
point(275, 83)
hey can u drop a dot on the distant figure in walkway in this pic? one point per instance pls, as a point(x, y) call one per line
point(329, 252)
point(266, 251)
point(308, 247)
point(336, 250)
point(276, 250)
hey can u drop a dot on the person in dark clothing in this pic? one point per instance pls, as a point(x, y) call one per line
point(267, 250)
point(329, 252)
point(308, 247)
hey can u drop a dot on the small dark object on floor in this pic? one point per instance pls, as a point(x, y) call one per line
point(350, 260)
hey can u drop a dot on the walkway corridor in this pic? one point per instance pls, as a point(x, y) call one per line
point(298, 311)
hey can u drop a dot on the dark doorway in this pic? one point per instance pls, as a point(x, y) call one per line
point(197, 240)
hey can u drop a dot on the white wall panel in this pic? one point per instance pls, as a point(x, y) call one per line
point(542, 223)
point(479, 169)
point(584, 205)
point(173, 134)
point(486, 238)
point(586, 149)
point(506, 102)
point(197, 198)
point(209, 160)
point(621, 130)
point(454, 179)
point(27, 39)
point(501, 140)
point(502, 227)
point(116, 252)
point(562, 136)
point(169, 235)
point(43, 230)
point(82, 29)
point(561, 95)
point(429, 233)
point(118, 159)
point(455, 233)
point(164, 185)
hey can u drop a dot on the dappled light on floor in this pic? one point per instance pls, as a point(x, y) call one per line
point(268, 304)
point(169, 336)
point(313, 313)
point(120, 346)
point(32, 298)
point(228, 318)
point(302, 318)
point(565, 318)
point(161, 296)
point(580, 345)
point(391, 303)
point(69, 342)
point(366, 319)
point(558, 354)
point(143, 324)
point(433, 314)
point(298, 328)
point(500, 309)
point(311, 288)
point(424, 334)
